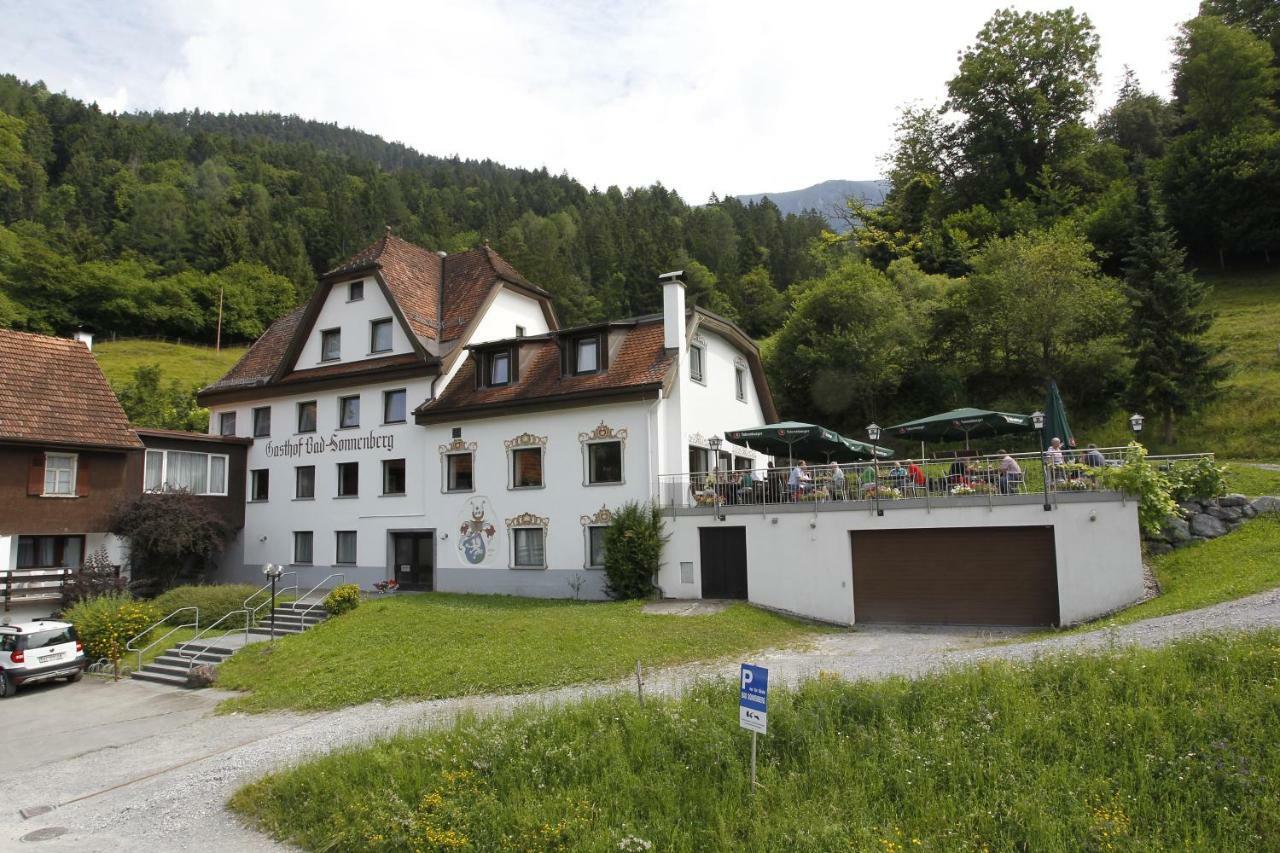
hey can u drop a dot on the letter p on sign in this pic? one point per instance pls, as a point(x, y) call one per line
point(753, 698)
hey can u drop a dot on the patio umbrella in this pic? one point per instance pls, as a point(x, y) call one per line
point(806, 441)
point(961, 423)
point(1055, 418)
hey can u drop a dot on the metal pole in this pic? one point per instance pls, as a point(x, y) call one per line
point(753, 764)
point(875, 470)
point(273, 609)
point(1044, 474)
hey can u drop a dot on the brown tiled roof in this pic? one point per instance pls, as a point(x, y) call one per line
point(351, 368)
point(641, 362)
point(53, 392)
point(154, 432)
point(259, 364)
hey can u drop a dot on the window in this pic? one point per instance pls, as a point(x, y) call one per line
point(304, 482)
point(227, 423)
point(331, 345)
point(348, 479)
point(346, 550)
point(349, 412)
point(696, 356)
point(262, 422)
point(595, 546)
point(49, 552)
point(59, 473)
point(458, 470)
point(699, 460)
point(307, 416)
point(259, 481)
point(355, 291)
point(181, 470)
point(526, 468)
point(604, 462)
point(529, 544)
point(520, 331)
point(587, 355)
point(499, 368)
point(393, 410)
point(393, 480)
point(742, 463)
point(303, 544)
point(740, 382)
point(380, 336)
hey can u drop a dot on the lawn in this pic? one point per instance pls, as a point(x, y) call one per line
point(436, 645)
point(1252, 481)
point(1131, 750)
point(190, 364)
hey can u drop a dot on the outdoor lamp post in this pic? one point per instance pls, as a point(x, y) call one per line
point(1135, 423)
point(714, 444)
point(1037, 420)
point(274, 572)
point(873, 433)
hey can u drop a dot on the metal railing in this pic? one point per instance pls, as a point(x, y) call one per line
point(341, 576)
point(23, 586)
point(877, 485)
point(129, 645)
point(191, 654)
point(269, 601)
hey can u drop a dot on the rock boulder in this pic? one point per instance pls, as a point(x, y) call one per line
point(1206, 526)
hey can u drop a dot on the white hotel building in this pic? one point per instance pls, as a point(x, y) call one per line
point(424, 417)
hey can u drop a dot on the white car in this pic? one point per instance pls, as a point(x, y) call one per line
point(39, 651)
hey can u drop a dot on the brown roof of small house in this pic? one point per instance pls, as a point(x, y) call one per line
point(259, 364)
point(145, 433)
point(641, 363)
point(53, 392)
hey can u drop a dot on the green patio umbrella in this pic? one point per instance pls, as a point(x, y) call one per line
point(808, 441)
point(961, 423)
point(1055, 418)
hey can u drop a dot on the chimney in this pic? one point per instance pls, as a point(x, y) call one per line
point(672, 309)
point(85, 338)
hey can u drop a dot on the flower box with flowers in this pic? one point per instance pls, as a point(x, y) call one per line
point(962, 489)
point(388, 586)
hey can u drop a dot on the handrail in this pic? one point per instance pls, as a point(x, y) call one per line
point(266, 588)
point(269, 601)
point(183, 653)
point(129, 645)
point(312, 606)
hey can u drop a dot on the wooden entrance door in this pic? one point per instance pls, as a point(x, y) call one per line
point(414, 560)
point(723, 551)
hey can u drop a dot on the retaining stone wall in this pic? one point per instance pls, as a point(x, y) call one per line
point(1209, 519)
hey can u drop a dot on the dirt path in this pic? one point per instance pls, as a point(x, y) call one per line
point(141, 767)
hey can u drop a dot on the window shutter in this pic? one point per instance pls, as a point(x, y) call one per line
point(82, 476)
point(564, 357)
point(35, 475)
point(602, 359)
point(514, 368)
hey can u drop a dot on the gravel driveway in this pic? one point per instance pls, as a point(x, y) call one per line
point(135, 766)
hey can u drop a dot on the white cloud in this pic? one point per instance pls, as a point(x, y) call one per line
point(709, 96)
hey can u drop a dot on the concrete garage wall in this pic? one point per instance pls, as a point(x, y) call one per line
point(799, 561)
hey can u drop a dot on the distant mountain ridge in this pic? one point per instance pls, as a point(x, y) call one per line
point(826, 198)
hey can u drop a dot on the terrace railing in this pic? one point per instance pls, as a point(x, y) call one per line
point(882, 484)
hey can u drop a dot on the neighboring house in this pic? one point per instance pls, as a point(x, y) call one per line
point(68, 457)
point(423, 417)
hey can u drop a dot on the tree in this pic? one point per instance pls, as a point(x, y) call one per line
point(1023, 88)
point(1174, 368)
point(171, 535)
point(150, 403)
point(845, 348)
point(1139, 122)
point(1223, 79)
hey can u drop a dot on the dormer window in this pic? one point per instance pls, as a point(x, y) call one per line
point(586, 355)
point(499, 368)
point(331, 345)
point(355, 291)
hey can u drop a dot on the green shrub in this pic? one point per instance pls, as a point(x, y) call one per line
point(633, 551)
point(342, 599)
point(214, 601)
point(1203, 479)
point(1139, 478)
point(107, 623)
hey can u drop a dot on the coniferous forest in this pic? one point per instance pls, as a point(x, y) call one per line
point(1023, 238)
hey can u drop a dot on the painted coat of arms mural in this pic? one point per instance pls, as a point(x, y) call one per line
point(476, 540)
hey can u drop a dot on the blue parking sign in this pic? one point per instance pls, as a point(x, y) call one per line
point(753, 698)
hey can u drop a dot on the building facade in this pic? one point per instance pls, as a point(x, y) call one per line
point(425, 418)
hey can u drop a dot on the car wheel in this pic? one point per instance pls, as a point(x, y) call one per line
point(72, 679)
point(7, 687)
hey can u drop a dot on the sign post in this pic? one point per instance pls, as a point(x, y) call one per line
point(753, 707)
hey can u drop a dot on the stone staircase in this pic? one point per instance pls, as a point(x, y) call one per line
point(172, 667)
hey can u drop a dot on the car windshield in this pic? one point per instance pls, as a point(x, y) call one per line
point(54, 637)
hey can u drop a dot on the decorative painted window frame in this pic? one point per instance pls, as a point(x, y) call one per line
point(525, 441)
point(699, 343)
point(740, 369)
point(456, 447)
point(603, 434)
point(527, 521)
point(602, 518)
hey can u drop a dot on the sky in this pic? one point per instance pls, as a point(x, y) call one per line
point(703, 96)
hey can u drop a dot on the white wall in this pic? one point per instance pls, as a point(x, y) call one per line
point(353, 318)
point(712, 406)
point(508, 310)
point(800, 561)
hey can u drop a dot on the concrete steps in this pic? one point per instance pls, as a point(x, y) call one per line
point(172, 667)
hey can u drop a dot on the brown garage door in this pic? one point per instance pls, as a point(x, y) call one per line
point(960, 576)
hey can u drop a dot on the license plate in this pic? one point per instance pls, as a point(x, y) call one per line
point(48, 658)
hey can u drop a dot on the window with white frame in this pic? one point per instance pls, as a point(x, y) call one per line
point(595, 545)
point(380, 336)
point(60, 474)
point(697, 356)
point(183, 470)
point(303, 546)
point(740, 382)
point(529, 549)
point(331, 345)
point(587, 355)
point(349, 412)
point(346, 547)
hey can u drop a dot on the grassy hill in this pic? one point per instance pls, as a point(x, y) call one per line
point(190, 364)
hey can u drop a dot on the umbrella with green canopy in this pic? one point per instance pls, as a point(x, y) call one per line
point(961, 423)
point(806, 441)
point(1055, 418)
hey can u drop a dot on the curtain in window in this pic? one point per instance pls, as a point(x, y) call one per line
point(346, 547)
point(188, 471)
point(217, 475)
point(529, 550)
point(528, 465)
point(59, 474)
point(72, 556)
point(153, 476)
point(597, 545)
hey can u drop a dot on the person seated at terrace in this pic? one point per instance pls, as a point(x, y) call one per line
point(1093, 457)
point(839, 486)
point(1010, 473)
point(1055, 458)
point(958, 474)
point(916, 473)
point(868, 479)
point(898, 475)
point(800, 480)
